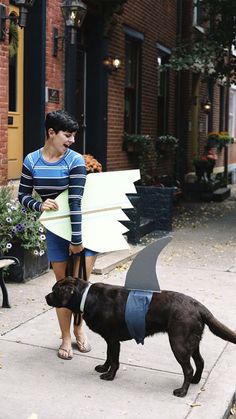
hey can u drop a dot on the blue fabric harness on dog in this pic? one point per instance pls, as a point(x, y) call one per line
point(135, 313)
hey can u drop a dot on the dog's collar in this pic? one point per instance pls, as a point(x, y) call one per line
point(84, 296)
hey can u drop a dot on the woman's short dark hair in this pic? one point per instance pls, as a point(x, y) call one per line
point(60, 120)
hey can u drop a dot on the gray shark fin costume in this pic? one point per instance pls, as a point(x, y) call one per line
point(142, 281)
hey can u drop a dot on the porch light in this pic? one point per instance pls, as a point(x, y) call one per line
point(74, 12)
point(24, 6)
point(206, 106)
point(112, 64)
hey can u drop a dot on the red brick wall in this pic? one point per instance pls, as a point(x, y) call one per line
point(157, 22)
point(3, 105)
point(54, 65)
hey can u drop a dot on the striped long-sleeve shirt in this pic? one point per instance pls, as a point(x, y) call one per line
point(50, 179)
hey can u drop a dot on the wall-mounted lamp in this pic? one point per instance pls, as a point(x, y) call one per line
point(112, 64)
point(23, 5)
point(74, 12)
point(55, 40)
point(206, 106)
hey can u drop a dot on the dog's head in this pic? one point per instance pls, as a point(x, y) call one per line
point(62, 293)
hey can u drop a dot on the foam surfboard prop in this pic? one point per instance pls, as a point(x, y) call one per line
point(142, 272)
point(102, 203)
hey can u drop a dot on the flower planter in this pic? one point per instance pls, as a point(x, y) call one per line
point(30, 267)
point(157, 204)
point(166, 145)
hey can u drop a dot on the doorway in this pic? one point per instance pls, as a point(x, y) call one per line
point(15, 110)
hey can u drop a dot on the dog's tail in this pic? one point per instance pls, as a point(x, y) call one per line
point(216, 327)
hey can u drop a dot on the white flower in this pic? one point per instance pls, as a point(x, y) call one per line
point(9, 246)
point(36, 253)
point(42, 237)
point(41, 229)
point(8, 220)
point(41, 253)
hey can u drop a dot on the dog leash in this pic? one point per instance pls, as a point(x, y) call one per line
point(83, 275)
point(82, 266)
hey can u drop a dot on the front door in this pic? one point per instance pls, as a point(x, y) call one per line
point(15, 112)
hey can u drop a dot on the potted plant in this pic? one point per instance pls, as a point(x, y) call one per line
point(153, 209)
point(166, 144)
point(218, 139)
point(141, 148)
point(224, 139)
point(134, 143)
point(92, 165)
point(204, 165)
point(22, 236)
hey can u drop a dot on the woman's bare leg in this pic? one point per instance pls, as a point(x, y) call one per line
point(80, 336)
point(63, 315)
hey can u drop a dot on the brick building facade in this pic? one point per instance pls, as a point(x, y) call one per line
point(143, 24)
point(107, 103)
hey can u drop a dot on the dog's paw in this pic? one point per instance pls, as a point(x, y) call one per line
point(196, 379)
point(102, 368)
point(109, 376)
point(179, 392)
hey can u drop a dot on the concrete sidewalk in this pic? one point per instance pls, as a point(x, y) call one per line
point(34, 383)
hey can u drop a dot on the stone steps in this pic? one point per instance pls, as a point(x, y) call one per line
point(221, 194)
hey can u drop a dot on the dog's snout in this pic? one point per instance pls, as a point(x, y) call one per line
point(49, 299)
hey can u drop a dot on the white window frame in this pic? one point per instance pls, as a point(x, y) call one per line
point(196, 24)
point(232, 111)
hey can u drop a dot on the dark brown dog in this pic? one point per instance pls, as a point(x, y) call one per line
point(182, 317)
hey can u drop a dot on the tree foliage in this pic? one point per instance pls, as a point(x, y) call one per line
point(210, 53)
point(222, 15)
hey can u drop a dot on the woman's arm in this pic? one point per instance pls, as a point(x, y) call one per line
point(26, 188)
point(77, 179)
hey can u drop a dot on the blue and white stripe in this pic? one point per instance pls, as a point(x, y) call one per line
point(50, 179)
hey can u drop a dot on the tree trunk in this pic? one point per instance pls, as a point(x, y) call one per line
point(195, 118)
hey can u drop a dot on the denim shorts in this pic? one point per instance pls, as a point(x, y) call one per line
point(58, 248)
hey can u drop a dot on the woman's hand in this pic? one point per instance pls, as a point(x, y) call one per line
point(73, 249)
point(49, 204)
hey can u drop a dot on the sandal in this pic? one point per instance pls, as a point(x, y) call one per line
point(83, 346)
point(68, 356)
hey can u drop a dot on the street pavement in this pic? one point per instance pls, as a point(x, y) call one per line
point(200, 261)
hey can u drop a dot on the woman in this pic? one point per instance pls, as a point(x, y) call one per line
point(49, 171)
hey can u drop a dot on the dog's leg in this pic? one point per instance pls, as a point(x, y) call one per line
point(113, 352)
point(104, 367)
point(182, 355)
point(199, 362)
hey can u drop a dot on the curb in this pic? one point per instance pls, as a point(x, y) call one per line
point(105, 263)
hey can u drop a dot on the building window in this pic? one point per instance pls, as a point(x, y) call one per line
point(198, 16)
point(132, 84)
point(163, 55)
point(232, 112)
